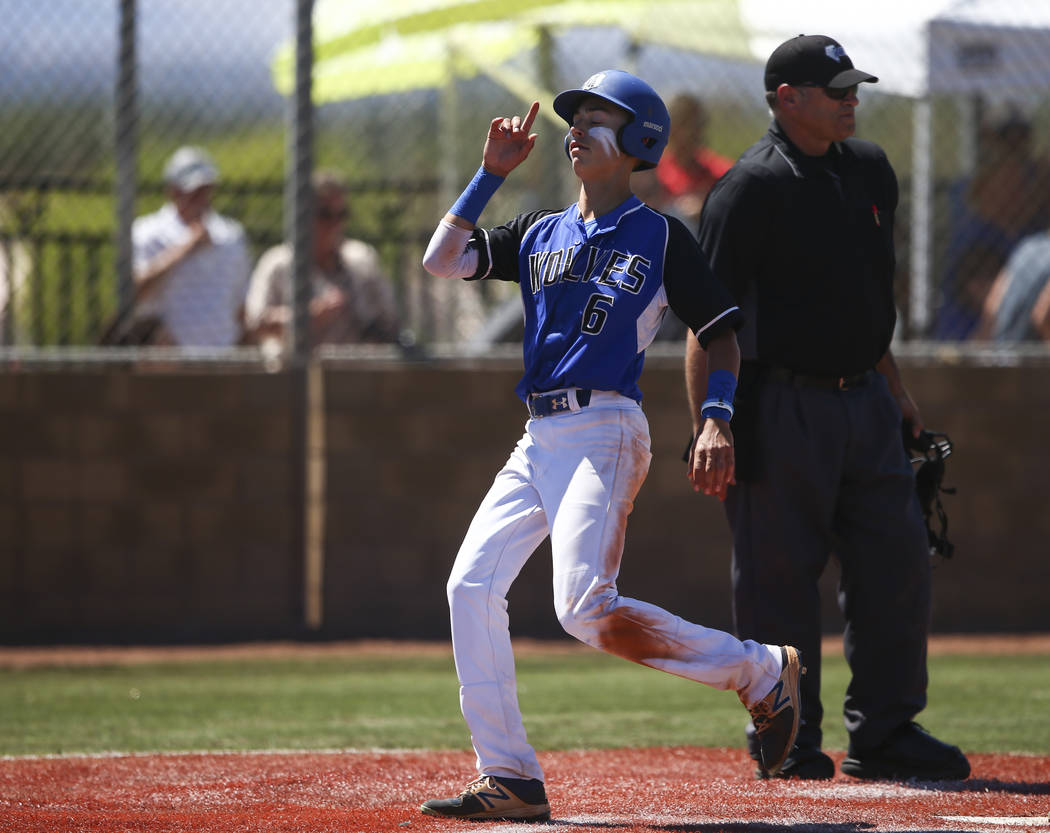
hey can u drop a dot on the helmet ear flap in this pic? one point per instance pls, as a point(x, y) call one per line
point(642, 142)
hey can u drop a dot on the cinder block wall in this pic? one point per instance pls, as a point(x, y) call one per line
point(139, 506)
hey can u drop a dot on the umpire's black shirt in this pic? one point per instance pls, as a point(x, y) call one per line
point(805, 244)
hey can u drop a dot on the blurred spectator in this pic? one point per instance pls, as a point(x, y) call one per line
point(15, 268)
point(1007, 199)
point(191, 264)
point(1018, 306)
point(352, 300)
point(688, 168)
point(685, 174)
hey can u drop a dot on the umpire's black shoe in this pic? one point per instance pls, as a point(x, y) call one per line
point(775, 717)
point(910, 752)
point(805, 764)
point(494, 799)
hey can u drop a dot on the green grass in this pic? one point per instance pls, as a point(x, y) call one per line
point(576, 700)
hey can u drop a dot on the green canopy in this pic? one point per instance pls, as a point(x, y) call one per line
point(364, 49)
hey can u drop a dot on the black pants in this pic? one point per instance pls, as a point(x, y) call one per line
point(833, 478)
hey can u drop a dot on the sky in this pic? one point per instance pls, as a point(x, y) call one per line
point(70, 45)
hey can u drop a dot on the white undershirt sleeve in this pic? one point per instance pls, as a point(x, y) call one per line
point(447, 255)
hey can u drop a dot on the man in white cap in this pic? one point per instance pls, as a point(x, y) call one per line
point(191, 263)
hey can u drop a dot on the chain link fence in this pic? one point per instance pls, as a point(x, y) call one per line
point(97, 97)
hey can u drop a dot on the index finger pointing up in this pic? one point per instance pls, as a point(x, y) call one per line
point(531, 117)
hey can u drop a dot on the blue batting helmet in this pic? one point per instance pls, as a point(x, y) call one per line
point(645, 135)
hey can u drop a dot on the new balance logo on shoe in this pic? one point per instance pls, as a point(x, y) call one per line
point(492, 798)
point(779, 703)
point(489, 799)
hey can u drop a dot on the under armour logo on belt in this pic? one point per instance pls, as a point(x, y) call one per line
point(560, 402)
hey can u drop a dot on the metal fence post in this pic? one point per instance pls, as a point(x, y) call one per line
point(308, 429)
point(126, 145)
point(922, 218)
point(298, 199)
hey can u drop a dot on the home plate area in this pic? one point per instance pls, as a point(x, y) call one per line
point(692, 789)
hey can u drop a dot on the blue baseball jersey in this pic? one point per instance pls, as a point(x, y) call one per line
point(596, 293)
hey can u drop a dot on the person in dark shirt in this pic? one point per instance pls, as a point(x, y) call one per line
point(801, 232)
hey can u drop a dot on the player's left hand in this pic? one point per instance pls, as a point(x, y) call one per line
point(509, 142)
point(712, 462)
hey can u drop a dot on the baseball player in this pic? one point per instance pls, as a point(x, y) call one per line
point(596, 280)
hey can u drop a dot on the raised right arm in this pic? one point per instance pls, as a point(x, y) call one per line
point(507, 145)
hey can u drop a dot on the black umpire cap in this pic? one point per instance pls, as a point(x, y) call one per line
point(812, 60)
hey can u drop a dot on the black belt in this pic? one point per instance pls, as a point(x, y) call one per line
point(546, 404)
point(808, 380)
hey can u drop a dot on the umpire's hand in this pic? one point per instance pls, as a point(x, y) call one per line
point(712, 464)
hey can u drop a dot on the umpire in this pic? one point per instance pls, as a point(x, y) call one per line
point(801, 231)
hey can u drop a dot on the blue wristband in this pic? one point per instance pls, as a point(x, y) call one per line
point(476, 195)
point(721, 388)
point(721, 384)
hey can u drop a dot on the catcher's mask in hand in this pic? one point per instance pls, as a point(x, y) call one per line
point(929, 450)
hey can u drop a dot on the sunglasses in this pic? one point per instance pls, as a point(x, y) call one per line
point(834, 93)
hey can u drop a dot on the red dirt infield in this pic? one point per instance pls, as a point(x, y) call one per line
point(677, 790)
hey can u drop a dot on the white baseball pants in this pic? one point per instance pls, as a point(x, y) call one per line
point(573, 476)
